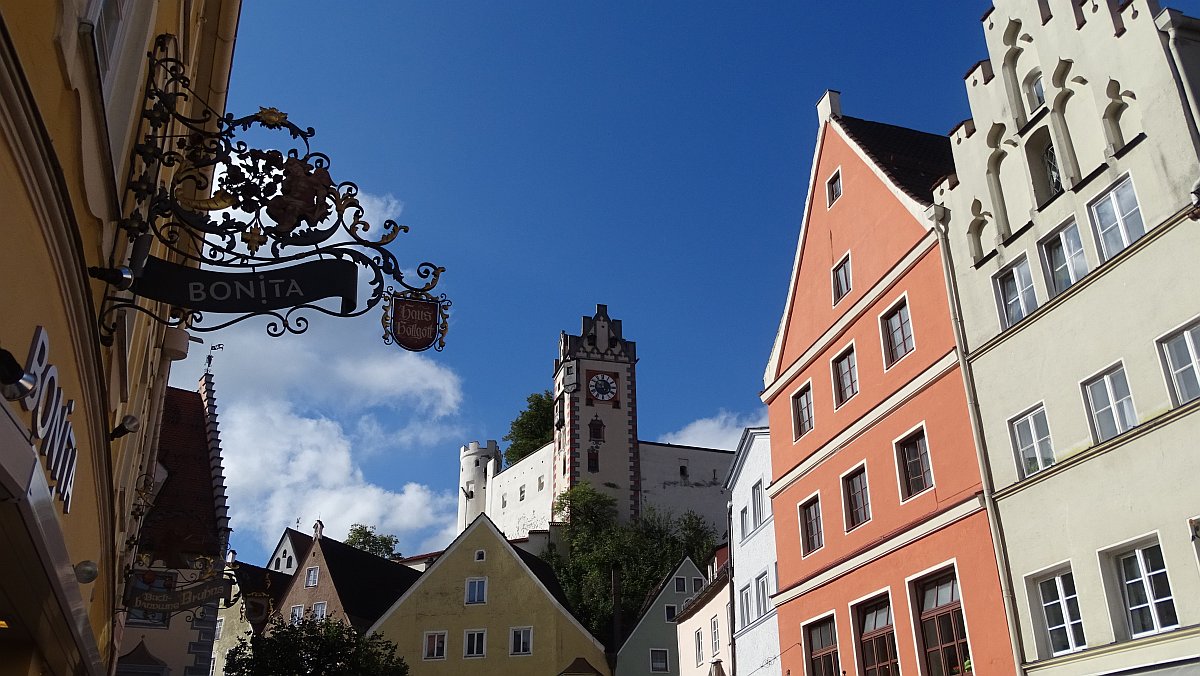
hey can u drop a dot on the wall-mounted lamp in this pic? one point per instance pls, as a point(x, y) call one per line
point(15, 383)
point(86, 572)
point(129, 423)
point(121, 277)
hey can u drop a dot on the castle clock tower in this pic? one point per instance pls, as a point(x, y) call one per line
point(595, 413)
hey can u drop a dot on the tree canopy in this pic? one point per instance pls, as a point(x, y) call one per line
point(365, 538)
point(532, 428)
point(645, 550)
point(313, 647)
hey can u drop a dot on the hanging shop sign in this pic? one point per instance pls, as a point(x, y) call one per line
point(50, 418)
point(156, 592)
point(278, 237)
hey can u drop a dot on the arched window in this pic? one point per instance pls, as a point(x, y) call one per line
point(1050, 164)
point(1043, 166)
point(1037, 93)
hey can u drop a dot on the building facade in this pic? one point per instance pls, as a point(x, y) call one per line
point(702, 628)
point(1070, 221)
point(81, 410)
point(754, 576)
point(884, 545)
point(651, 646)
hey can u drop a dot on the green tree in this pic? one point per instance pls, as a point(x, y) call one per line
point(645, 550)
point(313, 647)
point(366, 539)
point(532, 428)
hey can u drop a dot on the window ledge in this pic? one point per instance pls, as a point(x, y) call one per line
point(1042, 111)
point(1171, 635)
point(766, 522)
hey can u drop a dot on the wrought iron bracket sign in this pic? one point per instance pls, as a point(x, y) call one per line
point(252, 232)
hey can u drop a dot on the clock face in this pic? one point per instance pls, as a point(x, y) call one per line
point(602, 386)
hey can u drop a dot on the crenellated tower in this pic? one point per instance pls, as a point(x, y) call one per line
point(477, 465)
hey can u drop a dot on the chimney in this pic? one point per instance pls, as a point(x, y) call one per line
point(830, 105)
point(318, 529)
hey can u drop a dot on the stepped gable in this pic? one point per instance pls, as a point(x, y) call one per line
point(914, 160)
point(367, 585)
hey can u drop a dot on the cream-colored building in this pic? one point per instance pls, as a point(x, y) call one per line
point(1074, 250)
point(703, 628)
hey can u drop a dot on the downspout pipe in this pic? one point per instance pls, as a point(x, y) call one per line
point(1170, 22)
point(937, 215)
point(730, 586)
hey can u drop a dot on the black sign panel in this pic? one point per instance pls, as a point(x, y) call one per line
point(153, 598)
point(231, 292)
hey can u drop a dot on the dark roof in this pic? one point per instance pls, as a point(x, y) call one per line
point(914, 160)
point(543, 572)
point(254, 581)
point(183, 520)
point(653, 595)
point(301, 541)
point(580, 667)
point(367, 585)
point(141, 656)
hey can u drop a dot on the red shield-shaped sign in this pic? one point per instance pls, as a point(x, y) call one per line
point(414, 323)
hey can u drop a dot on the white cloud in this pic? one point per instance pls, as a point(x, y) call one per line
point(722, 430)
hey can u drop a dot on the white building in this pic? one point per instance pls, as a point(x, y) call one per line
point(752, 556)
point(595, 440)
point(1074, 246)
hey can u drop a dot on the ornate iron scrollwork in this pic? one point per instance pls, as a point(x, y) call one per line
point(250, 232)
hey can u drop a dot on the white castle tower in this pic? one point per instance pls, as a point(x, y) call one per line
point(477, 465)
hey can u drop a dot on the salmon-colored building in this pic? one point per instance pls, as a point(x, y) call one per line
point(886, 562)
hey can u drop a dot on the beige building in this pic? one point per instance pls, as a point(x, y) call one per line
point(703, 627)
point(1073, 240)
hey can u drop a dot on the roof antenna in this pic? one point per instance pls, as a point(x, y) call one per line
point(209, 358)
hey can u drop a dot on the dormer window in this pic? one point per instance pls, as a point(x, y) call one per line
point(833, 188)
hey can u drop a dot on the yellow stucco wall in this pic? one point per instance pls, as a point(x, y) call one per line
point(514, 599)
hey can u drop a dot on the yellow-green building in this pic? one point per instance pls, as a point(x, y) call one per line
point(487, 607)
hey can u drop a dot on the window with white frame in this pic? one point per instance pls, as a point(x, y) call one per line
point(857, 501)
point(681, 585)
point(522, 641)
point(480, 555)
point(541, 483)
point(1149, 606)
point(697, 583)
point(841, 279)
point(762, 594)
point(897, 334)
point(1063, 260)
point(218, 629)
point(845, 377)
point(435, 646)
point(660, 660)
point(1117, 219)
point(318, 610)
point(1110, 404)
point(756, 503)
point(744, 519)
point(1181, 350)
point(833, 188)
point(943, 629)
point(670, 611)
point(699, 647)
point(310, 576)
point(1037, 93)
point(1031, 441)
point(744, 606)
point(802, 412)
point(877, 639)
point(297, 613)
point(822, 649)
point(715, 626)
point(912, 455)
point(810, 526)
point(475, 643)
point(1060, 608)
point(521, 495)
point(1014, 292)
point(476, 590)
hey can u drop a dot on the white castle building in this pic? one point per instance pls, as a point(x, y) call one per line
point(595, 440)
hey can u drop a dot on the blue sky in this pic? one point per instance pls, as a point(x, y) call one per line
point(652, 156)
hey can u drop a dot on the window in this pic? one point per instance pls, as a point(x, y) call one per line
point(541, 483)
point(1110, 404)
point(699, 647)
point(1014, 291)
point(744, 602)
point(756, 502)
point(1037, 93)
point(503, 500)
point(915, 473)
point(318, 610)
point(476, 590)
point(310, 577)
point(1117, 219)
point(833, 188)
point(593, 460)
point(681, 585)
point(1064, 261)
point(480, 555)
point(897, 334)
point(683, 471)
point(697, 583)
point(671, 611)
point(810, 525)
point(858, 503)
point(802, 412)
point(1050, 166)
point(1183, 365)
point(1060, 607)
point(1031, 441)
point(297, 613)
point(716, 635)
point(822, 649)
point(522, 641)
point(762, 594)
point(943, 632)
point(475, 643)
point(217, 630)
point(877, 639)
point(841, 279)
point(1149, 606)
point(521, 495)
point(845, 377)
point(435, 645)
point(744, 517)
point(659, 660)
